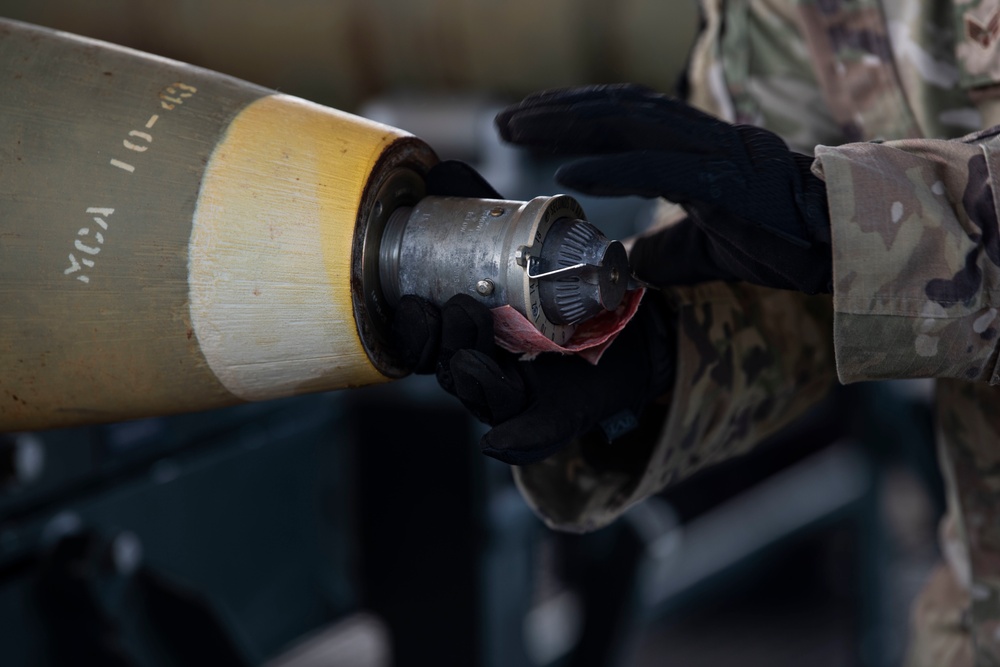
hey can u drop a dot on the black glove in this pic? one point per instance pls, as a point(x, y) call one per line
point(755, 210)
point(537, 407)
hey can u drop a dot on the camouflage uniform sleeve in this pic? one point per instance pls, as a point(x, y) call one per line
point(916, 257)
point(968, 423)
point(749, 361)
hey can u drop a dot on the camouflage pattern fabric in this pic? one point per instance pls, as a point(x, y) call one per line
point(749, 361)
point(708, 90)
point(849, 41)
point(914, 257)
point(924, 51)
point(916, 268)
point(777, 87)
point(925, 221)
point(977, 25)
point(916, 264)
point(969, 422)
point(940, 621)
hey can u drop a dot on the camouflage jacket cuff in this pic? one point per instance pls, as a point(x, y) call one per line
point(749, 360)
point(916, 257)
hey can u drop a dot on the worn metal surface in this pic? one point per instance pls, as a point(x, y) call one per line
point(498, 250)
point(451, 245)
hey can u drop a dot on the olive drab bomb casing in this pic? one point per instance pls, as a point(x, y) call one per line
point(173, 239)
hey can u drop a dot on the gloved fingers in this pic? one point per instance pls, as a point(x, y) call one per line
point(617, 175)
point(700, 182)
point(597, 127)
point(605, 119)
point(679, 176)
point(532, 121)
point(529, 438)
point(465, 324)
point(426, 336)
point(416, 333)
point(454, 178)
point(493, 393)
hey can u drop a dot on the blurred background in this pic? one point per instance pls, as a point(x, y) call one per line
point(363, 528)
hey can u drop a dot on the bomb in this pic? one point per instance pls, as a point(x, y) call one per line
point(173, 239)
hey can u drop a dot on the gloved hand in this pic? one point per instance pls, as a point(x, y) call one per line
point(755, 210)
point(537, 407)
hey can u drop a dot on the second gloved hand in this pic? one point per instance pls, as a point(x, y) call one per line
point(537, 407)
point(756, 211)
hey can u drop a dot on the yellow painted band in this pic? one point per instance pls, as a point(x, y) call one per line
point(270, 250)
